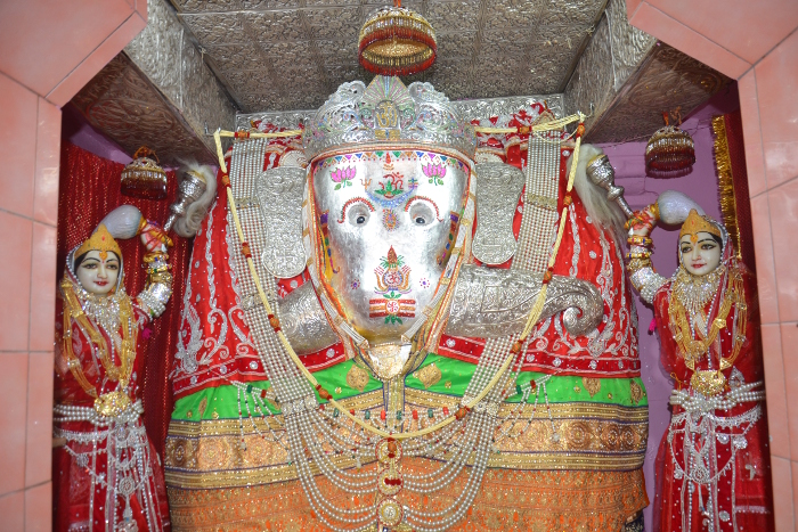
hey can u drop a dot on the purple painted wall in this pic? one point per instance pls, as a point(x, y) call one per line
point(76, 130)
point(701, 184)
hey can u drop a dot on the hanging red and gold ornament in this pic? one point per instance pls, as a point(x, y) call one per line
point(144, 177)
point(396, 41)
point(670, 151)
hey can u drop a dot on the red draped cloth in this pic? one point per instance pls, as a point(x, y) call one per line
point(90, 188)
point(736, 438)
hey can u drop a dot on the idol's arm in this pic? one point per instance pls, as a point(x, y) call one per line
point(644, 279)
point(158, 289)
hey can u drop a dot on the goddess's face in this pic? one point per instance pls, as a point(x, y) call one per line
point(389, 219)
point(700, 257)
point(97, 275)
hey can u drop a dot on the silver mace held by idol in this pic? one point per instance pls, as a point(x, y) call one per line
point(673, 206)
point(601, 173)
point(190, 189)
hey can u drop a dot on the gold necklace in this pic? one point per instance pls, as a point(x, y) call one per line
point(112, 403)
point(708, 382)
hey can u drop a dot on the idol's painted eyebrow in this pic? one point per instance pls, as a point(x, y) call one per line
point(351, 202)
point(428, 200)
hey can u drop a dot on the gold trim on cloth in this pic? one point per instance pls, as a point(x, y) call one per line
point(578, 436)
point(728, 203)
point(536, 501)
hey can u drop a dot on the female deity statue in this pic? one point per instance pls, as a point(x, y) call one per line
point(108, 476)
point(712, 463)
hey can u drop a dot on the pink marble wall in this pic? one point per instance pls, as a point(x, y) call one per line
point(757, 44)
point(49, 51)
point(701, 184)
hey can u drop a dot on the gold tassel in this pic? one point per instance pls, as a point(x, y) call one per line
point(728, 204)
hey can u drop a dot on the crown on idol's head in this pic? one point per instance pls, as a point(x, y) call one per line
point(387, 113)
point(101, 240)
point(696, 223)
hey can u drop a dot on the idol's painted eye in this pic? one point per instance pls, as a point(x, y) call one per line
point(686, 249)
point(708, 246)
point(421, 213)
point(358, 215)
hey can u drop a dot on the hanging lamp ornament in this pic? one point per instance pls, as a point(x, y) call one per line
point(670, 151)
point(396, 41)
point(144, 177)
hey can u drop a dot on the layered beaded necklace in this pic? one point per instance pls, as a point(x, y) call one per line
point(330, 441)
point(694, 293)
point(695, 334)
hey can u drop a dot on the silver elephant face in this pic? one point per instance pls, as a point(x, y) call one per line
point(389, 220)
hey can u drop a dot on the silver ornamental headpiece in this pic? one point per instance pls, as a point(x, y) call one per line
point(387, 113)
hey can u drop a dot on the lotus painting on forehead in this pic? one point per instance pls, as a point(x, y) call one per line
point(406, 385)
point(342, 177)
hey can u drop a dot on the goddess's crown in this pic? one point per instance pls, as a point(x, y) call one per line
point(386, 113)
point(696, 223)
point(101, 240)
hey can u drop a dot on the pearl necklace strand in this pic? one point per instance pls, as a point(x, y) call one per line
point(304, 417)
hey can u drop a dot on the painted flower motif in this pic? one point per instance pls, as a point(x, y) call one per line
point(343, 176)
point(435, 173)
point(355, 284)
point(424, 283)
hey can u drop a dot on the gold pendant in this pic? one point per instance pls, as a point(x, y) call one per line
point(693, 352)
point(429, 375)
point(389, 483)
point(112, 404)
point(708, 382)
point(357, 378)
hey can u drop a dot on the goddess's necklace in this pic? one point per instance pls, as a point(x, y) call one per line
point(692, 342)
point(694, 293)
point(115, 402)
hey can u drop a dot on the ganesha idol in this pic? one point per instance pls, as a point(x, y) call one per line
point(394, 323)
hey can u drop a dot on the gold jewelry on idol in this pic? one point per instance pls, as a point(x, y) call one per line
point(693, 347)
point(112, 403)
point(695, 223)
point(101, 240)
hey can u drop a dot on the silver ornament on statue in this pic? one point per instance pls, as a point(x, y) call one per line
point(601, 173)
point(190, 190)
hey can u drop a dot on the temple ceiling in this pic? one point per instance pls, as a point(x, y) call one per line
point(204, 64)
point(292, 54)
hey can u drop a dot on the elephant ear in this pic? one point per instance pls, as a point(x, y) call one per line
point(279, 192)
point(498, 189)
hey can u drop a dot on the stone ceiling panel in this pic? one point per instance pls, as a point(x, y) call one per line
point(122, 103)
point(310, 46)
point(216, 28)
point(567, 12)
point(454, 16)
point(336, 52)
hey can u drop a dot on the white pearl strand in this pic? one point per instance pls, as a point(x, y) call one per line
point(443, 520)
point(301, 415)
point(260, 407)
point(129, 462)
